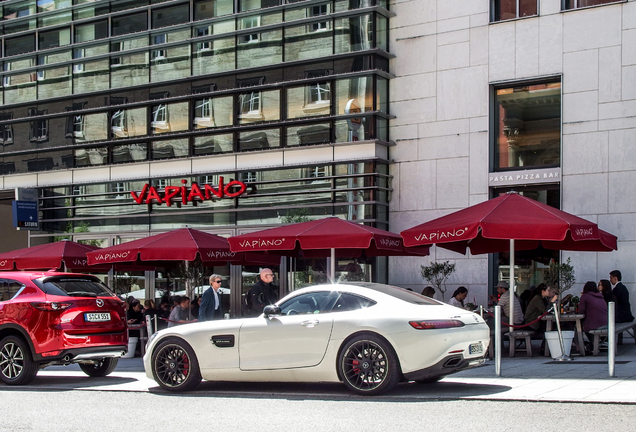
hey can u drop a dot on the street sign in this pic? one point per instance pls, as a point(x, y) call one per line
point(25, 215)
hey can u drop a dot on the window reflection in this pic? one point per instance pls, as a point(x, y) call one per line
point(170, 149)
point(262, 139)
point(212, 144)
point(212, 112)
point(354, 34)
point(130, 153)
point(169, 117)
point(213, 56)
point(256, 106)
point(126, 123)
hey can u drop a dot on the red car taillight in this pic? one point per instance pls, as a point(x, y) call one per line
point(51, 306)
point(435, 324)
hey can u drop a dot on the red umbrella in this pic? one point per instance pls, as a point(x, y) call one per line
point(324, 237)
point(48, 256)
point(179, 245)
point(508, 222)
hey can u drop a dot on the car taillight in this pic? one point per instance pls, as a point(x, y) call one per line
point(435, 324)
point(51, 306)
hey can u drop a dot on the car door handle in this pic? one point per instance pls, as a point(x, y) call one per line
point(310, 323)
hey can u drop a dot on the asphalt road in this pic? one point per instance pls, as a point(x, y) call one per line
point(207, 410)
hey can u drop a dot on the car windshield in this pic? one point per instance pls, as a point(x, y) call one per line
point(397, 292)
point(74, 286)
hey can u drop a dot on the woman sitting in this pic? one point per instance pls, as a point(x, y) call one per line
point(458, 297)
point(605, 288)
point(538, 306)
point(594, 307)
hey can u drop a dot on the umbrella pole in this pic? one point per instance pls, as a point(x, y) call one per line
point(333, 265)
point(511, 305)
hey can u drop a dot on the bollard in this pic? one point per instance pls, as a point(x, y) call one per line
point(558, 324)
point(498, 340)
point(611, 337)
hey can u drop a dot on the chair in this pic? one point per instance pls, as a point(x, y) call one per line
point(526, 336)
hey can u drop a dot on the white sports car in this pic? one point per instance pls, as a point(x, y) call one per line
point(369, 336)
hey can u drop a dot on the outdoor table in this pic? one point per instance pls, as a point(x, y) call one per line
point(568, 317)
point(142, 335)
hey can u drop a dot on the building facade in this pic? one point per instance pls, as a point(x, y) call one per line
point(535, 96)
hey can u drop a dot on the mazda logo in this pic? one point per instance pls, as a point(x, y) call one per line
point(99, 302)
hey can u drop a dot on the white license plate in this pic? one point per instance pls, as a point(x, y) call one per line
point(476, 348)
point(97, 316)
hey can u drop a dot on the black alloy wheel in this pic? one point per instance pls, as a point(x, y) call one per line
point(175, 366)
point(16, 365)
point(100, 368)
point(368, 365)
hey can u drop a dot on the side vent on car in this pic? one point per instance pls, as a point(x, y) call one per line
point(223, 341)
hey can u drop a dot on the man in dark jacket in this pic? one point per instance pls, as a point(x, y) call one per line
point(262, 293)
point(623, 308)
point(211, 306)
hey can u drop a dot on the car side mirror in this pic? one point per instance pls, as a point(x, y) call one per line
point(271, 310)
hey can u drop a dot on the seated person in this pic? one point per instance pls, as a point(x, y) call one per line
point(504, 302)
point(458, 297)
point(538, 306)
point(594, 307)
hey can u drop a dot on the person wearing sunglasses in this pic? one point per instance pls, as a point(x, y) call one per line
point(262, 293)
point(211, 307)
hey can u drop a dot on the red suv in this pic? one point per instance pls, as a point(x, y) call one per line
point(49, 318)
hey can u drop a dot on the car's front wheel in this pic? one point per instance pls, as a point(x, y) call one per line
point(175, 366)
point(100, 368)
point(368, 365)
point(16, 365)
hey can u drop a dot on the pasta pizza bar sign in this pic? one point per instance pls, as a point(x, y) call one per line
point(150, 195)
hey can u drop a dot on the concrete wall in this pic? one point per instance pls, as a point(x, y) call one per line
point(447, 55)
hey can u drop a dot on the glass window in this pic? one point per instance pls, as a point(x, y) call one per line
point(20, 88)
point(213, 56)
point(212, 144)
point(309, 134)
point(354, 34)
point(575, 4)
point(309, 303)
point(130, 153)
point(165, 17)
point(91, 11)
point(129, 23)
point(19, 10)
point(129, 70)
point(170, 149)
point(528, 122)
point(259, 49)
point(382, 32)
point(213, 112)
point(309, 100)
point(54, 39)
point(354, 95)
point(90, 76)
point(170, 63)
point(38, 128)
point(90, 157)
point(511, 9)
point(247, 5)
point(382, 94)
point(6, 131)
point(128, 122)
point(169, 117)
point(126, 4)
point(349, 302)
point(19, 45)
point(54, 82)
point(302, 42)
point(212, 8)
point(9, 289)
point(90, 127)
point(58, 18)
point(258, 140)
point(256, 106)
point(92, 31)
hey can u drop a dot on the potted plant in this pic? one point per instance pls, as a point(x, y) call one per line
point(437, 274)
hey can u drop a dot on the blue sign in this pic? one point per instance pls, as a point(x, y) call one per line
point(25, 215)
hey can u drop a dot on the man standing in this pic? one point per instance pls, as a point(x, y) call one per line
point(211, 307)
point(504, 302)
point(623, 308)
point(262, 293)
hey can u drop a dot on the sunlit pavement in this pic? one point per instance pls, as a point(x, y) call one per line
point(584, 379)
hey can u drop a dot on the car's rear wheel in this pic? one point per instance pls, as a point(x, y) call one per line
point(100, 368)
point(368, 365)
point(175, 366)
point(16, 365)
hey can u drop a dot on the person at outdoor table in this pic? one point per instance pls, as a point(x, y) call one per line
point(594, 307)
point(538, 307)
point(605, 288)
point(135, 316)
point(181, 313)
point(504, 301)
point(623, 308)
point(211, 305)
point(429, 291)
point(458, 297)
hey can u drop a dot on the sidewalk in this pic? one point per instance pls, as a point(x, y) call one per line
point(538, 378)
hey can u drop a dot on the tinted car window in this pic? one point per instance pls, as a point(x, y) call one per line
point(349, 302)
point(74, 287)
point(309, 303)
point(9, 289)
point(397, 292)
